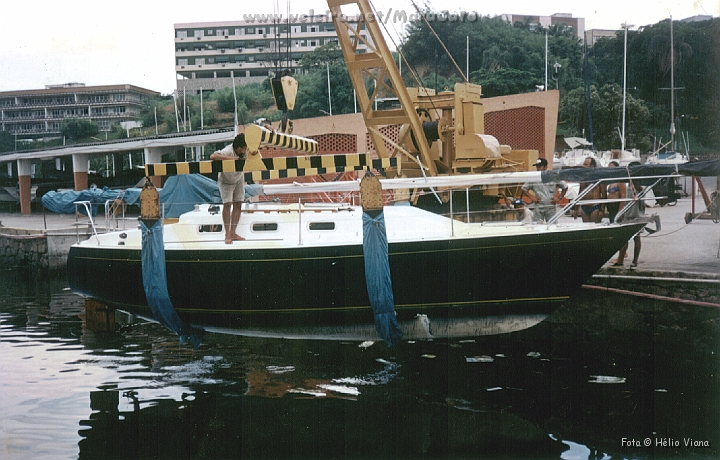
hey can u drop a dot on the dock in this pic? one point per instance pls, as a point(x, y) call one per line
point(682, 260)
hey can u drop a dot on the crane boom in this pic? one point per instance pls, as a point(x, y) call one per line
point(377, 63)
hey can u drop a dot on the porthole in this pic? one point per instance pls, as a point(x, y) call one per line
point(322, 226)
point(265, 227)
point(217, 228)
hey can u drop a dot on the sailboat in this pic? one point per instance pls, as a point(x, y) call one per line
point(623, 157)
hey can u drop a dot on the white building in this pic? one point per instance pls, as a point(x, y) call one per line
point(576, 24)
point(38, 113)
point(209, 54)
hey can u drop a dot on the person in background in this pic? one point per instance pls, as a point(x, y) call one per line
point(636, 211)
point(232, 187)
point(615, 191)
point(590, 212)
point(544, 196)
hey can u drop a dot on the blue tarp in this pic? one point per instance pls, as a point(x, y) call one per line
point(155, 284)
point(377, 277)
point(180, 194)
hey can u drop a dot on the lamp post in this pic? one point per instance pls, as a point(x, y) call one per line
point(556, 74)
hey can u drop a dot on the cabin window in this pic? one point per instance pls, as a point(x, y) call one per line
point(217, 228)
point(322, 226)
point(265, 227)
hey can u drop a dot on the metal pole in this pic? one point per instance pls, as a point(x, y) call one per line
point(467, 203)
point(546, 61)
point(232, 75)
point(452, 220)
point(327, 65)
point(299, 222)
point(467, 57)
point(177, 119)
point(202, 122)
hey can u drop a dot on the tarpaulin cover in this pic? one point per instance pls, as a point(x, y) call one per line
point(154, 278)
point(694, 168)
point(180, 194)
point(377, 276)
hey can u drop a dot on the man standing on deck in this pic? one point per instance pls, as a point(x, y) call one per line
point(543, 196)
point(232, 187)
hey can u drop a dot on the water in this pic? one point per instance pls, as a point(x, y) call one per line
point(597, 380)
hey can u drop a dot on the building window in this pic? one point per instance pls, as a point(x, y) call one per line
point(223, 32)
point(182, 34)
point(199, 61)
point(238, 31)
point(295, 29)
point(313, 43)
point(312, 28)
point(250, 31)
point(199, 33)
point(182, 62)
point(118, 97)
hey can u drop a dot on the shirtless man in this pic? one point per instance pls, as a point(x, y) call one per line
point(232, 188)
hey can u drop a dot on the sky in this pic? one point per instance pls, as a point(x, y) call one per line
point(131, 42)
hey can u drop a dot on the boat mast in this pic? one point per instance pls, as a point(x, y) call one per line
point(622, 137)
point(672, 87)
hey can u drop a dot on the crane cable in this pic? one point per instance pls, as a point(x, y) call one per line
point(462, 74)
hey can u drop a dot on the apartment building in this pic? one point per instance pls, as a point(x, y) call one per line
point(593, 35)
point(38, 113)
point(576, 24)
point(209, 55)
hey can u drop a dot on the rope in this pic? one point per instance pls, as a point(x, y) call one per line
point(462, 74)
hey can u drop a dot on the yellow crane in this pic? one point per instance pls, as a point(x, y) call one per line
point(441, 133)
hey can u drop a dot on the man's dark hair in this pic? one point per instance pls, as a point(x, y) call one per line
point(593, 163)
point(239, 141)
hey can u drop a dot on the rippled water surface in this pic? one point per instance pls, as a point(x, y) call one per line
point(601, 379)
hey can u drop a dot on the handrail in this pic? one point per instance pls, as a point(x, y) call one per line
point(641, 195)
point(88, 209)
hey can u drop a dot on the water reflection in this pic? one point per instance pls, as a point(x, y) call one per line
point(602, 370)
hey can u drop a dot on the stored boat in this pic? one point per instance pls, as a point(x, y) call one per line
point(667, 158)
point(573, 157)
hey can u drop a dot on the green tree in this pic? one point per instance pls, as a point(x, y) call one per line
point(7, 141)
point(607, 103)
point(75, 129)
point(312, 99)
point(696, 52)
